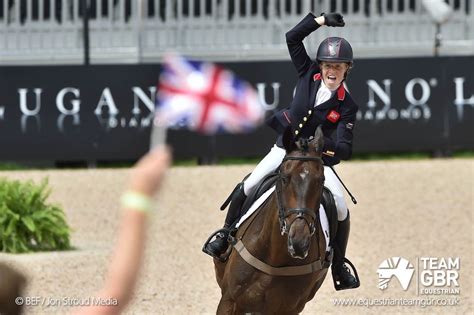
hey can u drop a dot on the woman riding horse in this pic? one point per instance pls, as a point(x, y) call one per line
point(281, 255)
point(320, 100)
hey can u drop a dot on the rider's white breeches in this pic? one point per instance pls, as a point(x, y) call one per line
point(334, 185)
point(271, 162)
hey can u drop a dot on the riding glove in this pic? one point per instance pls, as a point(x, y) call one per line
point(333, 19)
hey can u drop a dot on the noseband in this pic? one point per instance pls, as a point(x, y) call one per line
point(302, 213)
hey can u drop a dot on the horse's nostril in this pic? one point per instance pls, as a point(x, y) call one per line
point(291, 249)
point(306, 243)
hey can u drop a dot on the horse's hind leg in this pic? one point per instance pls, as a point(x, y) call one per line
point(226, 307)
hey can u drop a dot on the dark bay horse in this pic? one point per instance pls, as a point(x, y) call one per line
point(279, 258)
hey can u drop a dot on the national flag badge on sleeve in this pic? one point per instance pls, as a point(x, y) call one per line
point(333, 116)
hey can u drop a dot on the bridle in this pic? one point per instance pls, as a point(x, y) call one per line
point(307, 214)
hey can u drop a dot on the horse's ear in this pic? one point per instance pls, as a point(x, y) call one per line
point(288, 140)
point(318, 140)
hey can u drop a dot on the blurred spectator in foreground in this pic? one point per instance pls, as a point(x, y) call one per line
point(12, 284)
point(145, 180)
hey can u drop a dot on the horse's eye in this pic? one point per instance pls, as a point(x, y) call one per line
point(285, 179)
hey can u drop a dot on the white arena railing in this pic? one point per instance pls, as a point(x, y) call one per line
point(141, 31)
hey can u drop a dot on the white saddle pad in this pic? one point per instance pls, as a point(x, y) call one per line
point(322, 214)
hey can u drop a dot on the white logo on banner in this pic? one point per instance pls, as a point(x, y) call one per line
point(399, 267)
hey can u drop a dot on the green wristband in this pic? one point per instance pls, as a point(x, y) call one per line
point(136, 201)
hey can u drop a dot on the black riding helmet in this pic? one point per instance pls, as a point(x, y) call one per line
point(335, 49)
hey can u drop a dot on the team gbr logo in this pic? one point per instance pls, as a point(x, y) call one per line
point(395, 267)
point(434, 275)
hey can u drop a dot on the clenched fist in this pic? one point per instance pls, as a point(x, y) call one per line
point(333, 19)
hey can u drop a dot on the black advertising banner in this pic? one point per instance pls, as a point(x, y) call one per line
point(407, 104)
point(77, 113)
point(458, 118)
point(401, 105)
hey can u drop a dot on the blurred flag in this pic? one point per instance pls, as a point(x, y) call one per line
point(205, 97)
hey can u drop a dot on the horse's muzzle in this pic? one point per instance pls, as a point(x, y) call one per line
point(298, 247)
point(298, 255)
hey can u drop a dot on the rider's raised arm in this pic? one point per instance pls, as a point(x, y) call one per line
point(295, 36)
point(294, 40)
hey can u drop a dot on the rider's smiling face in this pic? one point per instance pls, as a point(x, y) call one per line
point(333, 73)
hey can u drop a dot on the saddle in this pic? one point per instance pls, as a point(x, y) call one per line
point(266, 183)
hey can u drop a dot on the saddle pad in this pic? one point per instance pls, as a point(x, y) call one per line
point(324, 225)
point(322, 214)
point(255, 205)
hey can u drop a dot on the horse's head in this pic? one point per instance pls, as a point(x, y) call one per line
point(299, 191)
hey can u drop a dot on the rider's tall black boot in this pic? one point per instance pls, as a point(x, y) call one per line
point(220, 244)
point(343, 279)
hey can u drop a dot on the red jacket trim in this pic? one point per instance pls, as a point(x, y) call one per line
point(341, 92)
point(287, 118)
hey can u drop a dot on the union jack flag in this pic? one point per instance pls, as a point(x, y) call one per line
point(205, 97)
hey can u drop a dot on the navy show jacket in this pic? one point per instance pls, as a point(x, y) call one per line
point(336, 114)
